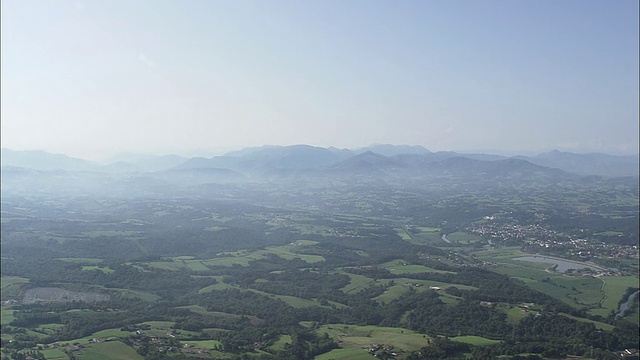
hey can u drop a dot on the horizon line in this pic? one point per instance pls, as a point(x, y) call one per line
point(497, 152)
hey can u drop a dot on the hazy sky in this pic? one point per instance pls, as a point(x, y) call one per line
point(94, 78)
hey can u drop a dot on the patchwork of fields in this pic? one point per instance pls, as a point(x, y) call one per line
point(340, 276)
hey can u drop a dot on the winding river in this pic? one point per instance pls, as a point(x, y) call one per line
point(625, 305)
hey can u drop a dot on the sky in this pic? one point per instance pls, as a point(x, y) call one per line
point(91, 79)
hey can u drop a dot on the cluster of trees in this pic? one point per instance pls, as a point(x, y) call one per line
point(441, 348)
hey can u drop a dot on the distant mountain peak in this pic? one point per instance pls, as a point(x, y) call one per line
point(42, 160)
point(392, 150)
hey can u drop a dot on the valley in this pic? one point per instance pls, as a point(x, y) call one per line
point(300, 268)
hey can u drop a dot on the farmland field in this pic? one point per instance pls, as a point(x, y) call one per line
point(113, 350)
point(6, 315)
point(9, 281)
point(475, 340)
point(361, 337)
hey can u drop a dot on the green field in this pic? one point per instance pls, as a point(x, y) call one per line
point(196, 265)
point(217, 286)
point(8, 281)
point(167, 265)
point(402, 287)
point(285, 252)
point(358, 282)
point(516, 314)
point(598, 324)
point(423, 285)
point(464, 238)
point(401, 267)
point(293, 301)
point(392, 293)
point(54, 354)
point(404, 235)
point(428, 229)
point(279, 345)
point(579, 292)
point(500, 255)
point(82, 261)
point(110, 233)
point(105, 270)
point(475, 340)
point(6, 315)
point(614, 288)
point(103, 334)
point(128, 293)
point(202, 344)
point(214, 228)
point(200, 310)
point(112, 350)
point(243, 258)
point(11, 287)
point(355, 339)
point(347, 352)
point(230, 261)
point(424, 234)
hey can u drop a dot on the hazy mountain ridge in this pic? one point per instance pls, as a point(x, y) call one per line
point(42, 160)
point(268, 158)
point(588, 164)
point(146, 163)
point(392, 150)
point(409, 165)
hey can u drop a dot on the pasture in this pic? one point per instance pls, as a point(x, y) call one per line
point(283, 340)
point(424, 234)
point(356, 339)
point(111, 233)
point(9, 281)
point(12, 288)
point(112, 350)
point(401, 267)
point(577, 291)
point(243, 257)
point(217, 286)
point(202, 344)
point(403, 234)
point(287, 252)
point(598, 324)
point(103, 334)
point(346, 353)
point(614, 288)
point(464, 238)
point(202, 311)
point(54, 354)
point(292, 301)
point(358, 282)
point(6, 315)
point(475, 340)
point(403, 286)
point(515, 314)
point(104, 269)
point(82, 261)
point(128, 293)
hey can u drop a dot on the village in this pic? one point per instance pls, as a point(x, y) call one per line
point(539, 239)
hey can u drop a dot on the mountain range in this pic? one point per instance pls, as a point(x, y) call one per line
point(29, 172)
point(251, 161)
